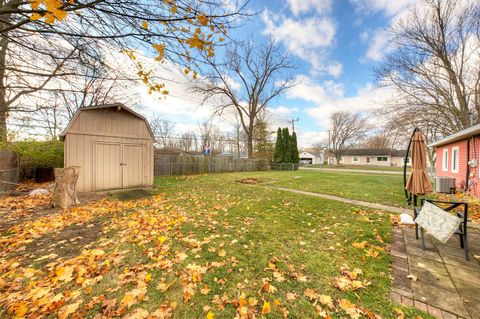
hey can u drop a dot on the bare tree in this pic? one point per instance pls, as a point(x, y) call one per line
point(188, 142)
point(163, 130)
point(436, 67)
point(212, 136)
point(249, 78)
point(347, 129)
point(43, 40)
point(385, 137)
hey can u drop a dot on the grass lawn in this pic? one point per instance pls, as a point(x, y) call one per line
point(201, 247)
point(362, 167)
point(383, 189)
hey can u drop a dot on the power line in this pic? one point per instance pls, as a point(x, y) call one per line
point(293, 123)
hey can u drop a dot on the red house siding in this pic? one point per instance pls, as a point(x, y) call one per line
point(460, 176)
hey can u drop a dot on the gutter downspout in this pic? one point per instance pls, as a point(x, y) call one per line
point(465, 187)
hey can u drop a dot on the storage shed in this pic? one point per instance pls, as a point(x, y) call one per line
point(309, 158)
point(112, 145)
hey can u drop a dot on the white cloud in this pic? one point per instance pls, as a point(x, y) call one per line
point(379, 42)
point(379, 46)
point(329, 97)
point(308, 38)
point(388, 7)
point(305, 6)
point(309, 138)
point(335, 69)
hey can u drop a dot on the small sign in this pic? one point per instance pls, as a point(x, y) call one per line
point(207, 150)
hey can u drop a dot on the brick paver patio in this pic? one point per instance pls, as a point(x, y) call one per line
point(447, 285)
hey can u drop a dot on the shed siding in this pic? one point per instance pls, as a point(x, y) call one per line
point(111, 123)
point(105, 125)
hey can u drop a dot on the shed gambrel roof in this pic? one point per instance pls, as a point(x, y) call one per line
point(117, 106)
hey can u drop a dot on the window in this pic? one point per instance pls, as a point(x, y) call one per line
point(445, 160)
point(382, 159)
point(355, 158)
point(455, 160)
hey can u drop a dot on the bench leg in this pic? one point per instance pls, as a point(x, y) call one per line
point(465, 248)
point(423, 238)
point(415, 215)
point(416, 225)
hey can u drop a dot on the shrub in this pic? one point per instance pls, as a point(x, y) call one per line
point(33, 154)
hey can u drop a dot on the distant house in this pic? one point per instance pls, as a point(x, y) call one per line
point(457, 156)
point(374, 157)
point(309, 158)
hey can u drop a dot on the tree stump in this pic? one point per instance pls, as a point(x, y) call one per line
point(65, 193)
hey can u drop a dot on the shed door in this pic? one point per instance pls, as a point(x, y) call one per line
point(108, 161)
point(133, 165)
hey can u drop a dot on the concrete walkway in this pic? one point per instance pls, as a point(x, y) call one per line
point(347, 170)
point(446, 286)
point(392, 209)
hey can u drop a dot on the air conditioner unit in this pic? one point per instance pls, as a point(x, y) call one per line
point(444, 184)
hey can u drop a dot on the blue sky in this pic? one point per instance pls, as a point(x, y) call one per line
point(334, 43)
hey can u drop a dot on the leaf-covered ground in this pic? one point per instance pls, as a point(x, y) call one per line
point(199, 247)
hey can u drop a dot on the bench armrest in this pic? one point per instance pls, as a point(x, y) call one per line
point(444, 202)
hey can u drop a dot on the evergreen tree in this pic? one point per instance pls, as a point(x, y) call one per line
point(263, 145)
point(279, 149)
point(287, 155)
point(294, 147)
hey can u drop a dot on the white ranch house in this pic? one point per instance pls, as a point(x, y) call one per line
point(373, 157)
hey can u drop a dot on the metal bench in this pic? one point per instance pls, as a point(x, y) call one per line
point(463, 215)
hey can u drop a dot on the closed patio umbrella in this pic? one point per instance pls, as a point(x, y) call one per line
point(418, 183)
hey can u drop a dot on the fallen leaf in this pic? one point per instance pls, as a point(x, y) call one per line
point(291, 296)
point(266, 308)
point(67, 310)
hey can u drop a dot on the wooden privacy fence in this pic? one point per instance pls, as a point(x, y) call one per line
point(9, 171)
point(166, 165)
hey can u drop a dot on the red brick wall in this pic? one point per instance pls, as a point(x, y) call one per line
point(462, 162)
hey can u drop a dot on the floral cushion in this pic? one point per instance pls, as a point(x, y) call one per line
point(439, 223)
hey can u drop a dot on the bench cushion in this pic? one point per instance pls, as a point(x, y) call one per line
point(439, 223)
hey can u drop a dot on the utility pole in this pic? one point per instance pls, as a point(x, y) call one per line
point(293, 123)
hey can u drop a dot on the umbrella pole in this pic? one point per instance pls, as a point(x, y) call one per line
point(415, 214)
point(408, 197)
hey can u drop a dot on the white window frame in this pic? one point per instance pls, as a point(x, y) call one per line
point(445, 160)
point(355, 158)
point(455, 150)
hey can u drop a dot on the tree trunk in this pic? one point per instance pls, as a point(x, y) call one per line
point(65, 194)
point(338, 157)
point(3, 81)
